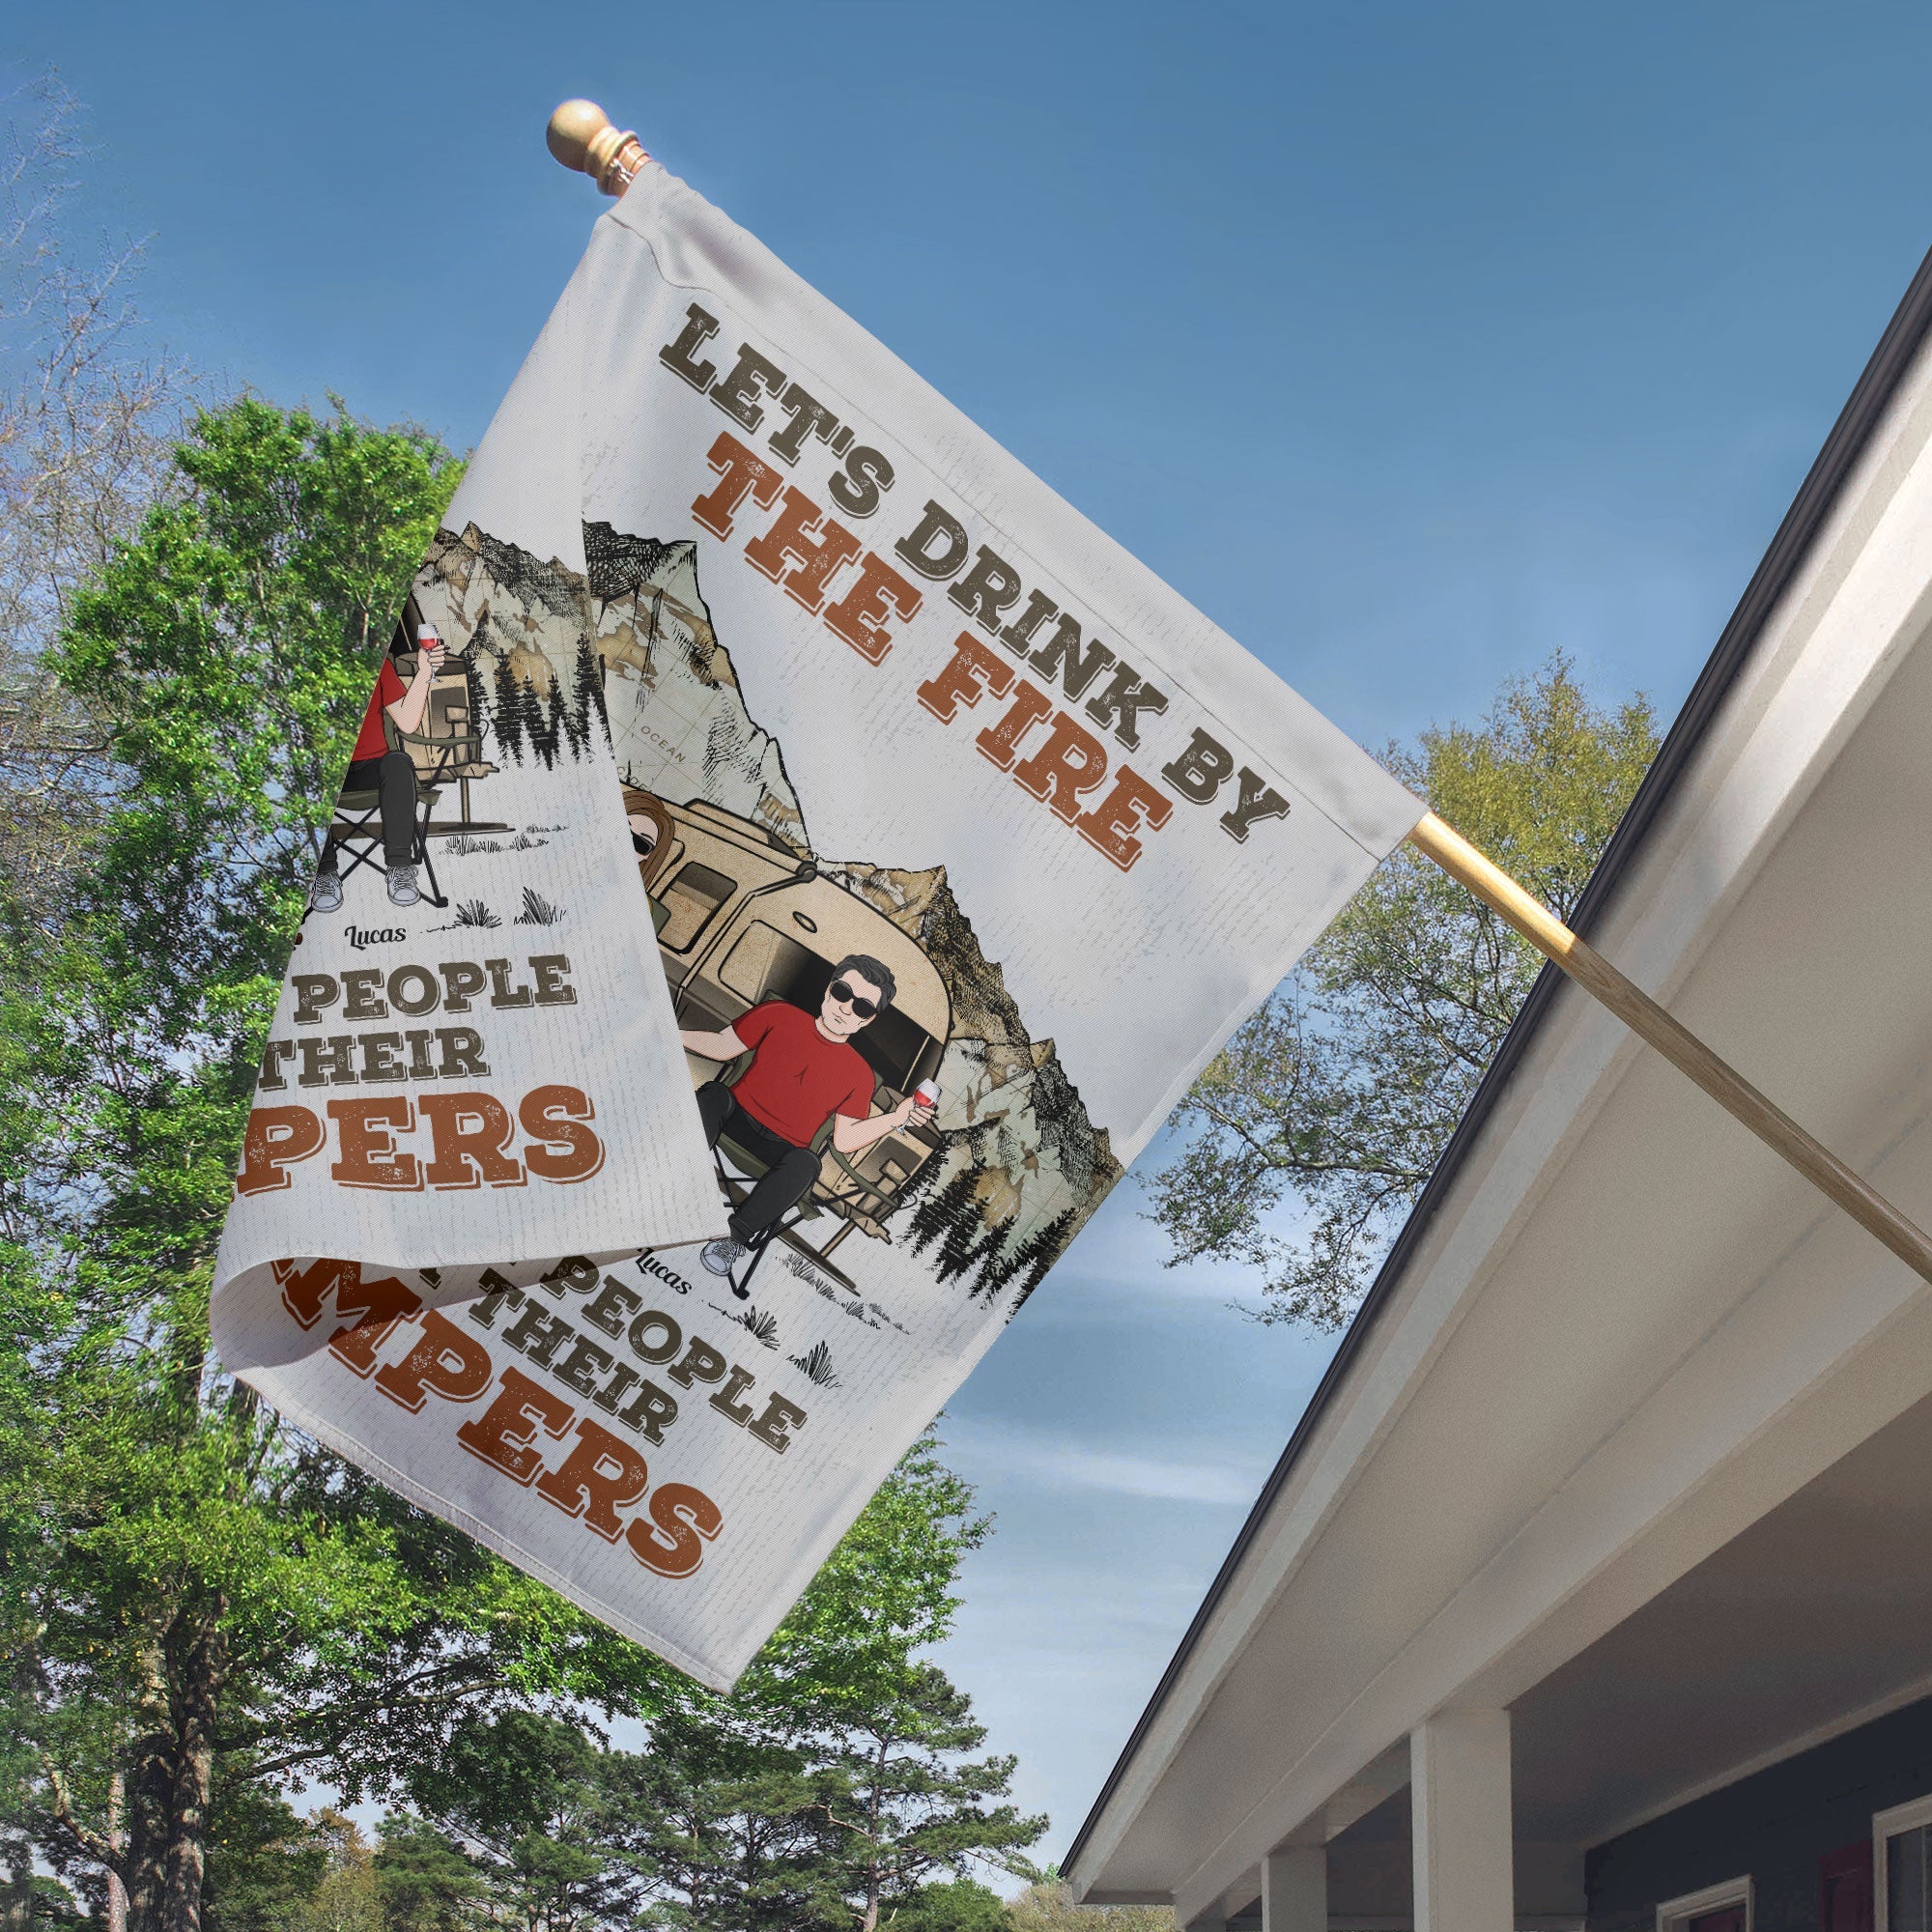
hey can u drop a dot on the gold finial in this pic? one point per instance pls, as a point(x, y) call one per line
point(580, 136)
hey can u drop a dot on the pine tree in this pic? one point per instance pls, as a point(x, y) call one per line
point(568, 714)
point(840, 1786)
point(967, 1236)
point(939, 1211)
point(589, 699)
point(509, 718)
point(476, 691)
point(918, 1188)
point(1038, 1255)
point(997, 1266)
point(543, 720)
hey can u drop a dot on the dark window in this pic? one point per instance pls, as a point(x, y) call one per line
point(694, 897)
point(1726, 1919)
point(1906, 1863)
point(1845, 1888)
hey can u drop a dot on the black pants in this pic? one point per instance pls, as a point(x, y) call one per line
point(393, 777)
point(790, 1172)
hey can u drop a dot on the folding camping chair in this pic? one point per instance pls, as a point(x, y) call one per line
point(358, 822)
point(447, 750)
point(855, 1199)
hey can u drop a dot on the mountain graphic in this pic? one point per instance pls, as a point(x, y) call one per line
point(1023, 1166)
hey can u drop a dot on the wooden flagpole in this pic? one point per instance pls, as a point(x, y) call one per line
point(1645, 1019)
point(580, 136)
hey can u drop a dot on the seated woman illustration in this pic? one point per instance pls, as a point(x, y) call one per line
point(804, 1072)
point(390, 775)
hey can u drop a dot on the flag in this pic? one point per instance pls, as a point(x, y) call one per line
point(833, 858)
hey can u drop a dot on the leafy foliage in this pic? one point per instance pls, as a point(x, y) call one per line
point(1048, 1906)
point(1342, 1090)
point(183, 1581)
point(837, 1781)
point(86, 417)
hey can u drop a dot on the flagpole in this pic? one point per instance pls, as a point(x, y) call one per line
point(1649, 1021)
point(580, 136)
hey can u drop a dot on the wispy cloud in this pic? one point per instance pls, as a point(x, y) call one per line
point(1063, 1463)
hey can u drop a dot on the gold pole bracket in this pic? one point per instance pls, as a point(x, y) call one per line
point(580, 136)
point(1649, 1021)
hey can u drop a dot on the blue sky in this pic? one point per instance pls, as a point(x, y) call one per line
point(1411, 343)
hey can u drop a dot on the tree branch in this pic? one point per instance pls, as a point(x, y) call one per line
point(92, 1844)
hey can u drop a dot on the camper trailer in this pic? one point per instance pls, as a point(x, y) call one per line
point(742, 918)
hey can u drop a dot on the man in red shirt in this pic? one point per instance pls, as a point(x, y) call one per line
point(804, 1072)
point(391, 774)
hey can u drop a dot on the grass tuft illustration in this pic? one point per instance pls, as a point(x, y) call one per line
point(817, 1366)
point(538, 910)
point(761, 1324)
point(474, 911)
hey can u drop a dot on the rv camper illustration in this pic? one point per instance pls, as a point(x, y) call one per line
point(742, 918)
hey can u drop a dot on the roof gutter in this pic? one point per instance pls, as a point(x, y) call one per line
point(1806, 516)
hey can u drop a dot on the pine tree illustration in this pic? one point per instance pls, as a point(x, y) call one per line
point(478, 693)
point(568, 718)
point(996, 1267)
point(937, 1213)
point(915, 1190)
point(967, 1236)
point(589, 697)
point(1038, 1255)
point(991, 1273)
point(509, 710)
point(543, 722)
point(530, 702)
point(597, 695)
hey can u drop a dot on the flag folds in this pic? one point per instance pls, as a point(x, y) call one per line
point(833, 857)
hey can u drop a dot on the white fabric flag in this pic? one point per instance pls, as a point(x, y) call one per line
point(963, 842)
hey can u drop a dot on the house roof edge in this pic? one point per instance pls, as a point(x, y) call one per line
point(1795, 535)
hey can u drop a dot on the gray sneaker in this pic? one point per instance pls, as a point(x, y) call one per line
point(403, 886)
point(327, 896)
point(722, 1257)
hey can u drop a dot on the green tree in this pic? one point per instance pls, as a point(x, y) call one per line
point(1344, 1088)
point(1048, 1906)
point(190, 1592)
point(424, 1879)
point(902, 1801)
point(717, 1820)
point(86, 422)
point(345, 1898)
point(264, 1862)
point(959, 1905)
point(539, 1804)
point(838, 1782)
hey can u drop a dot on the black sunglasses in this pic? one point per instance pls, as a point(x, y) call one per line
point(841, 991)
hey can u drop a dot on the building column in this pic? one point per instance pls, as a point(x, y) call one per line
point(1294, 1890)
point(1460, 1795)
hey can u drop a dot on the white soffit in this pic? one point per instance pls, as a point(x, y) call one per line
point(1628, 1330)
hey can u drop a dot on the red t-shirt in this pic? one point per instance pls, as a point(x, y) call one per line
point(370, 743)
point(797, 1079)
